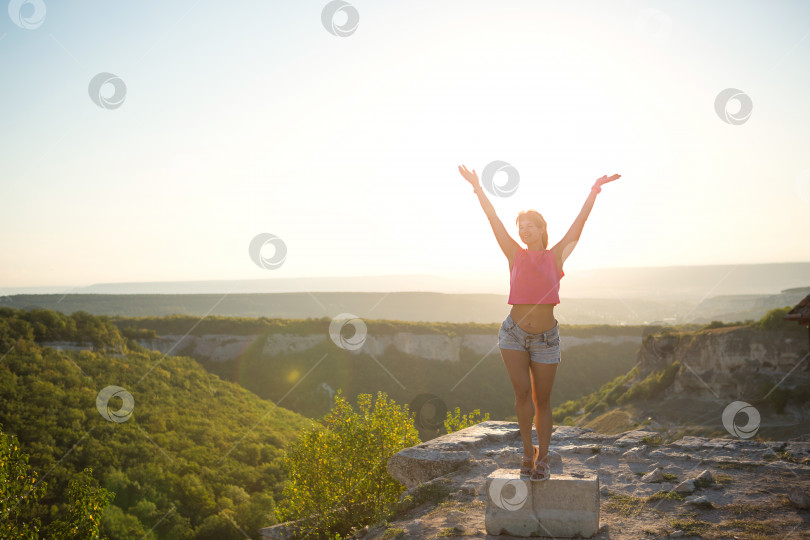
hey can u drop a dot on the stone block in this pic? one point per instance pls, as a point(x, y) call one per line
point(562, 506)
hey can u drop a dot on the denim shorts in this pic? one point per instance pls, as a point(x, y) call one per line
point(543, 347)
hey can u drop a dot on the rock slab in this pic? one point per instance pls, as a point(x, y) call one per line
point(448, 453)
point(562, 506)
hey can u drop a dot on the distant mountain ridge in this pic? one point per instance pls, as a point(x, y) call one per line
point(417, 306)
point(695, 281)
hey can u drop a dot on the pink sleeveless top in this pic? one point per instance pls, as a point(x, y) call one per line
point(534, 278)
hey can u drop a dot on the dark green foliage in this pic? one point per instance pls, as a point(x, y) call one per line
point(596, 406)
point(196, 454)
point(775, 320)
point(721, 324)
point(18, 496)
point(617, 392)
point(82, 514)
point(179, 467)
point(600, 400)
point(653, 385)
point(21, 493)
point(714, 324)
point(777, 396)
point(655, 440)
point(132, 332)
point(568, 409)
point(40, 325)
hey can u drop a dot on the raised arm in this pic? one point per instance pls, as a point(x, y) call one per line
point(569, 241)
point(506, 242)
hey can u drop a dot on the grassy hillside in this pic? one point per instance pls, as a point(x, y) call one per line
point(198, 457)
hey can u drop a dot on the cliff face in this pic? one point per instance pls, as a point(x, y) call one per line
point(215, 347)
point(722, 364)
point(437, 347)
point(729, 363)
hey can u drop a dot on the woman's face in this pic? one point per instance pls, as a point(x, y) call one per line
point(529, 232)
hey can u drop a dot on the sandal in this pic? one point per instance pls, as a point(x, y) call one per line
point(542, 471)
point(528, 470)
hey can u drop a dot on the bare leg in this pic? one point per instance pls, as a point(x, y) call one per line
point(543, 379)
point(517, 364)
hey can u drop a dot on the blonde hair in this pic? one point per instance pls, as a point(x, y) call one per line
point(538, 220)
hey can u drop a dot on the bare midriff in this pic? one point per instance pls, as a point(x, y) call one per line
point(534, 318)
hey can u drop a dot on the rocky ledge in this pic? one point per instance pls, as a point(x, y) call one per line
point(648, 488)
point(692, 486)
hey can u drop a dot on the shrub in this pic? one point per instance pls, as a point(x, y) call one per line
point(715, 324)
point(86, 503)
point(653, 385)
point(615, 394)
point(568, 408)
point(654, 440)
point(456, 422)
point(775, 320)
point(337, 470)
point(600, 406)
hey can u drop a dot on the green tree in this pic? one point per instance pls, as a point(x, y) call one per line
point(19, 491)
point(86, 503)
point(337, 470)
point(20, 494)
point(115, 523)
point(456, 422)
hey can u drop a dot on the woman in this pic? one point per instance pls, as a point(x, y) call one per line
point(529, 338)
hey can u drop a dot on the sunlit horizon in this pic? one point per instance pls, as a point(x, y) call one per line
point(259, 120)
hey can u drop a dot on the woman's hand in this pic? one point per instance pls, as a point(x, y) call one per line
point(597, 186)
point(470, 177)
point(605, 179)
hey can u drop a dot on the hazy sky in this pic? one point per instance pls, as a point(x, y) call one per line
point(251, 117)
